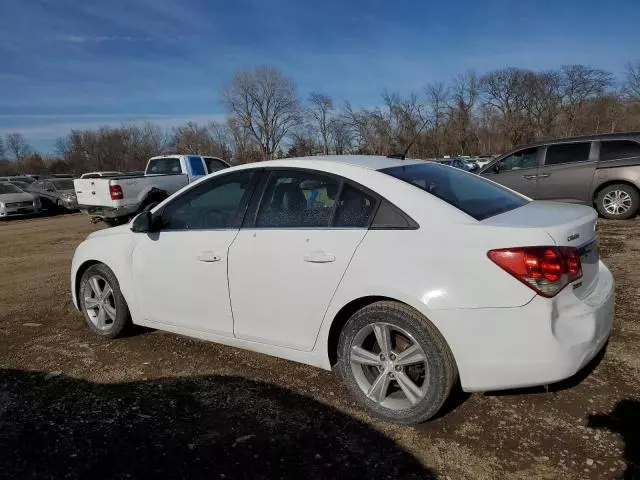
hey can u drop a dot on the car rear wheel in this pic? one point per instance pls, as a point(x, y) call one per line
point(396, 362)
point(618, 201)
point(104, 308)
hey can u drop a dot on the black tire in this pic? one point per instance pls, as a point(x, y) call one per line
point(439, 360)
point(632, 194)
point(113, 326)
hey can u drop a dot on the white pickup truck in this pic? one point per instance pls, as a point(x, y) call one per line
point(116, 199)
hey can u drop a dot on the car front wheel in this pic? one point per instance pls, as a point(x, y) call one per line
point(103, 306)
point(396, 362)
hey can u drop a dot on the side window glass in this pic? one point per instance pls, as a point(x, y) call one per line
point(523, 159)
point(213, 205)
point(297, 199)
point(567, 153)
point(354, 208)
point(197, 167)
point(48, 186)
point(615, 149)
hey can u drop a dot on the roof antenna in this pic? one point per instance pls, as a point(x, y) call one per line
point(403, 155)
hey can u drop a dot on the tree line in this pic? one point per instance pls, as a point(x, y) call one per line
point(266, 118)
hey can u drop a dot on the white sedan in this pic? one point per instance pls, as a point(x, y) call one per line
point(405, 274)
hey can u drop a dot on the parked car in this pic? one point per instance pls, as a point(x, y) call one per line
point(24, 186)
point(100, 174)
point(406, 274)
point(56, 194)
point(15, 201)
point(599, 170)
point(18, 178)
point(116, 199)
point(460, 163)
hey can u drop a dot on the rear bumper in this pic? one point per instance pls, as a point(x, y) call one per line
point(540, 343)
point(108, 212)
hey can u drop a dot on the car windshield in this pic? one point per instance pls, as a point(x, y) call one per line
point(65, 184)
point(474, 195)
point(8, 188)
point(20, 185)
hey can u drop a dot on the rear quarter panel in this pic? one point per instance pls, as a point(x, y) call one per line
point(627, 170)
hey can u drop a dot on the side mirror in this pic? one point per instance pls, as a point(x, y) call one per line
point(496, 168)
point(142, 223)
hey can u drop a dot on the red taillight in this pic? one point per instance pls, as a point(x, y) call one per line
point(546, 270)
point(116, 192)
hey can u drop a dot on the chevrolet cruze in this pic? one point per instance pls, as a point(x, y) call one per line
point(405, 275)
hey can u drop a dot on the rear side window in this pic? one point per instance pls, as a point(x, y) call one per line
point(196, 166)
point(615, 149)
point(354, 208)
point(567, 153)
point(469, 193)
point(213, 164)
point(164, 166)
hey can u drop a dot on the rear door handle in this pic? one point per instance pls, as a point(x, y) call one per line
point(544, 175)
point(529, 177)
point(208, 257)
point(319, 257)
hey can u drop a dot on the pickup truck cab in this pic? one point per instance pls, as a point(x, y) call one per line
point(602, 171)
point(115, 199)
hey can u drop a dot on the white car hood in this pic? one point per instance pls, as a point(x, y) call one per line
point(119, 230)
point(16, 197)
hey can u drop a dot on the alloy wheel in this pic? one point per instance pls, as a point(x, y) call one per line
point(617, 202)
point(389, 366)
point(99, 302)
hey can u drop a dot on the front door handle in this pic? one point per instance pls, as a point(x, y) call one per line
point(544, 175)
point(319, 257)
point(529, 177)
point(208, 257)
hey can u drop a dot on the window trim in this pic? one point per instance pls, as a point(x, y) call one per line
point(590, 156)
point(257, 199)
point(257, 174)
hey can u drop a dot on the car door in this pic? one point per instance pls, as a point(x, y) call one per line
point(517, 171)
point(180, 270)
point(567, 172)
point(285, 265)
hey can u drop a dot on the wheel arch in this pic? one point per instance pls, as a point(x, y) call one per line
point(76, 280)
point(347, 310)
point(608, 183)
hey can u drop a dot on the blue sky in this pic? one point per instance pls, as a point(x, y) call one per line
point(83, 63)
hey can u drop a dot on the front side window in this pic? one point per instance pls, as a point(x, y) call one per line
point(298, 199)
point(523, 159)
point(469, 193)
point(615, 149)
point(63, 184)
point(217, 204)
point(197, 167)
point(567, 153)
point(164, 166)
point(48, 186)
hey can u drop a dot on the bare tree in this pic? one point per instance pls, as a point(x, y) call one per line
point(632, 80)
point(437, 95)
point(320, 111)
point(265, 103)
point(341, 135)
point(579, 84)
point(464, 95)
point(2, 151)
point(18, 147)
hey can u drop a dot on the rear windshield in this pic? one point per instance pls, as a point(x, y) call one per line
point(473, 195)
point(165, 166)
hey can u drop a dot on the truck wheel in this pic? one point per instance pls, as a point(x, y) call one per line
point(618, 201)
point(396, 363)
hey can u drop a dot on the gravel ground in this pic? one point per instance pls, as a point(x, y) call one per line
point(153, 403)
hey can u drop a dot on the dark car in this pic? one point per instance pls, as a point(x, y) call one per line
point(460, 163)
point(56, 193)
point(598, 170)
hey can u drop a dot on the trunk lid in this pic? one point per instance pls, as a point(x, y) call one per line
point(93, 191)
point(568, 225)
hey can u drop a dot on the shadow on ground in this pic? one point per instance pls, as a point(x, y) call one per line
point(204, 427)
point(624, 420)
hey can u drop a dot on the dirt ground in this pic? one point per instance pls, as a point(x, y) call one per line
point(153, 403)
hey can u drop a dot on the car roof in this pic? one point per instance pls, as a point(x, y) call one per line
point(583, 138)
point(371, 162)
